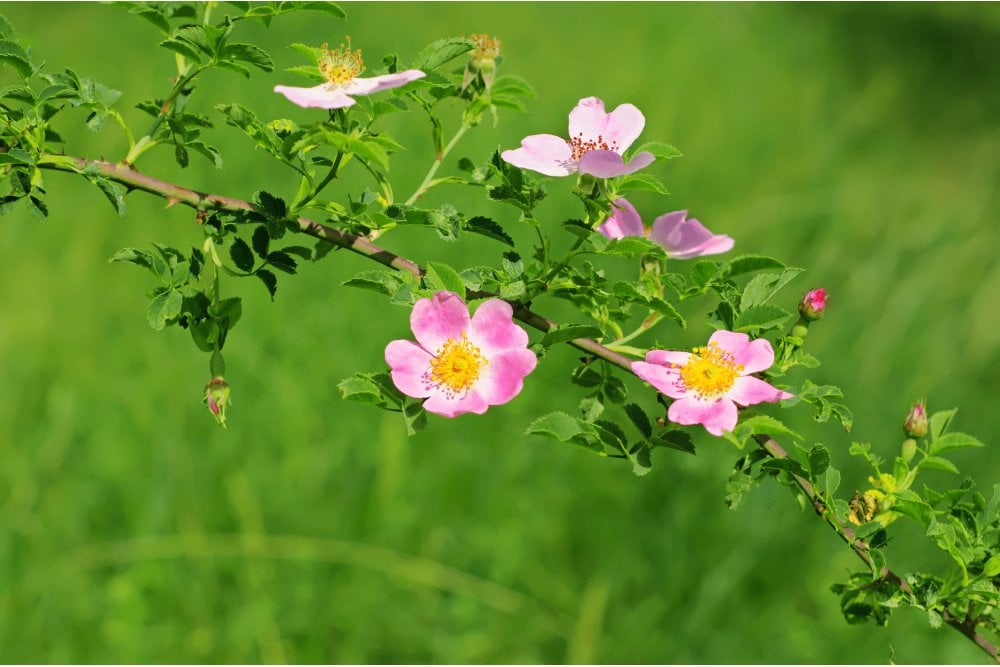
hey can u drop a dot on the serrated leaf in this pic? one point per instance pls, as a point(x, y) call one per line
point(762, 287)
point(659, 149)
point(261, 241)
point(248, 53)
point(954, 441)
point(12, 54)
point(441, 51)
point(916, 509)
point(763, 425)
point(679, 440)
point(270, 281)
point(939, 463)
point(164, 307)
point(750, 263)
point(183, 48)
point(565, 428)
point(831, 482)
point(241, 255)
point(787, 465)
point(443, 277)
point(819, 460)
point(282, 261)
point(381, 281)
point(488, 227)
point(133, 256)
point(761, 318)
point(154, 16)
point(629, 246)
point(639, 418)
point(640, 181)
point(939, 422)
point(568, 332)
point(114, 193)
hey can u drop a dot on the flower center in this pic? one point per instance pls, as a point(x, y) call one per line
point(710, 372)
point(456, 366)
point(581, 146)
point(486, 47)
point(342, 65)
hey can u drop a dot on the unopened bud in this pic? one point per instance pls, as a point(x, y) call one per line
point(909, 450)
point(915, 425)
point(482, 61)
point(813, 304)
point(217, 398)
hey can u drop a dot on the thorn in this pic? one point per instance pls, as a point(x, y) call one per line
point(172, 201)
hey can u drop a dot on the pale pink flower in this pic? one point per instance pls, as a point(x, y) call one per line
point(459, 363)
point(709, 383)
point(596, 142)
point(681, 237)
point(341, 69)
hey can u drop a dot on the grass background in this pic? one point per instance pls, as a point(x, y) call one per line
point(860, 142)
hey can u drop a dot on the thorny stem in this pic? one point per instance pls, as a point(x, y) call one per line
point(966, 626)
point(202, 201)
point(427, 184)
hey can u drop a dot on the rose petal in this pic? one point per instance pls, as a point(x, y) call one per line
point(451, 406)
point(373, 84)
point(439, 318)
point(716, 416)
point(683, 238)
point(493, 328)
point(409, 363)
point(754, 356)
point(749, 390)
point(665, 380)
point(607, 164)
point(503, 377)
point(618, 129)
point(321, 96)
point(667, 357)
point(545, 153)
point(624, 221)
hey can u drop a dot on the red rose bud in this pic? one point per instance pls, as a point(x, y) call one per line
point(813, 304)
point(217, 398)
point(915, 425)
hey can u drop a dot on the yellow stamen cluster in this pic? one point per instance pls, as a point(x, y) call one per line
point(341, 65)
point(711, 371)
point(486, 47)
point(581, 147)
point(456, 366)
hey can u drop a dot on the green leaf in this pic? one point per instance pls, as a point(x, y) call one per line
point(762, 287)
point(488, 227)
point(270, 281)
point(629, 246)
point(640, 181)
point(660, 150)
point(17, 156)
point(183, 48)
point(325, 7)
point(639, 418)
point(248, 53)
point(565, 428)
point(819, 460)
point(133, 256)
point(761, 318)
point(764, 425)
point(164, 307)
point(261, 241)
point(438, 53)
point(679, 440)
point(568, 332)
point(154, 16)
point(916, 509)
point(788, 465)
point(953, 441)
point(114, 193)
point(750, 263)
point(939, 463)
point(939, 422)
point(370, 389)
point(282, 261)
point(12, 54)
point(241, 255)
point(443, 277)
point(832, 482)
point(381, 281)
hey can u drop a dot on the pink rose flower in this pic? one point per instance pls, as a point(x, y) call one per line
point(709, 383)
point(341, 69)
point(681, 237)
point(459, 363)
point(597, 141)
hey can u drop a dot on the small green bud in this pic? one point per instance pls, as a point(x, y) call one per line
point(909, 449)
point(217, 398)
point(800, 331)
point(915, 425)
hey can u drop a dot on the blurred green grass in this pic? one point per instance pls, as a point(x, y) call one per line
point(860, 142)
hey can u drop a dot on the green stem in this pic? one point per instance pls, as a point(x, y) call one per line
point(146, 141)
point(427, 184)
point(571, 254)
point(646, 325)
